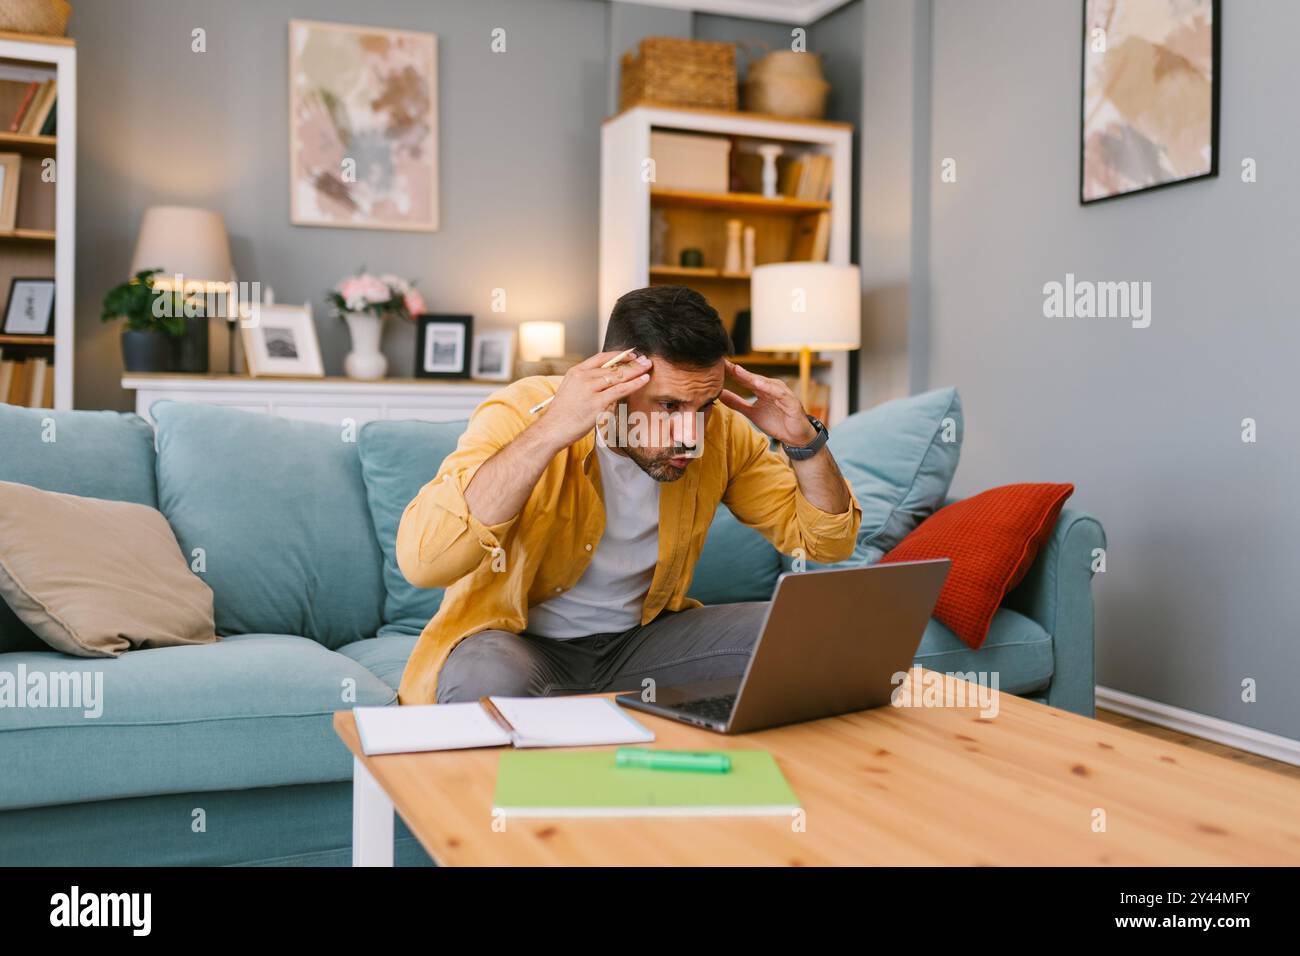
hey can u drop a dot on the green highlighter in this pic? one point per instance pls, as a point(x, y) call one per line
point(696, 761)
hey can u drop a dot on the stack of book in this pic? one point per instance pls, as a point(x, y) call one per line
point(811, 241)
point(29, 107)
point(806, 178)
point(27, 381)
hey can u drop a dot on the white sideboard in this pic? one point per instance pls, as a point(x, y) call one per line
point(328, 400)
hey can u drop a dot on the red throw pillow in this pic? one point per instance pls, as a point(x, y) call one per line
point(992, 539)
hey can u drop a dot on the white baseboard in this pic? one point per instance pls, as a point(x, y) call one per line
point(1224, 732)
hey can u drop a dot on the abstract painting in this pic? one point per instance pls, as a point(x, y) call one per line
point(363, 130)
point(1150, 95)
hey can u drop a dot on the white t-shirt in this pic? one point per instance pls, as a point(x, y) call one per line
point(611, 592)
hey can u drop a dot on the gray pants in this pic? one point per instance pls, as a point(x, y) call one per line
point(679, 647)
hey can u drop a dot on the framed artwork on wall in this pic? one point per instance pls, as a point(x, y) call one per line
point(363, 127)
point(30, 310)
point(1150, 98)
point(282, 341)
point(444, 343)
point(494, 356)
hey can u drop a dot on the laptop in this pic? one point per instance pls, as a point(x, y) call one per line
point(831, 643)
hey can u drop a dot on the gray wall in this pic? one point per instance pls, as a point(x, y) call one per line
point(1204, 530)
point(519, 154)
point(893, 168)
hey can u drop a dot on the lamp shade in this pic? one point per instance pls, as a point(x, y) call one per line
point(540, 340)
point(184, 241)
point(805, 305)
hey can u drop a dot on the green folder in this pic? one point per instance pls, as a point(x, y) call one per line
point(586, 783)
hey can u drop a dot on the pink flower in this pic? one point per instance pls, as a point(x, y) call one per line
point(397, 283)
point(414, 303)
point(373, 290)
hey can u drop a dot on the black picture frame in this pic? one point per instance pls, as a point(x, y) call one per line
point(48, 326)
point(1216, 82)
point(435, 333)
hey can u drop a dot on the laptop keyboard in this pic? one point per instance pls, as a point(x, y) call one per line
point(710, 708)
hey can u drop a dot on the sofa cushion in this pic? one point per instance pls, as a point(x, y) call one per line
point(94, 454)
point(279, 509)
point(992, 539)
point(397, 460)
point(384, 656)
point(737, 563)
point(94, 578)
point(900, 458)
point(1017, 649)
point(252, 710)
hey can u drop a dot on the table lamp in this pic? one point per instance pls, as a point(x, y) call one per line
point(541, 348)
point(805, 307)
point(190, 244)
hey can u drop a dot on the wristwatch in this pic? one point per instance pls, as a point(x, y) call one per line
point(804, 452)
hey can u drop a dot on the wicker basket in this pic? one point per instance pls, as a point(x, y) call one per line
point(40, 17)
point(671, 72)
point(784, 83)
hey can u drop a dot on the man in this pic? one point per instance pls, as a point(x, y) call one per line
point(567, 549)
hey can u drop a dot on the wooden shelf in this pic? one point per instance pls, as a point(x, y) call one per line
point(26, 340)
point(29, 235)
point(694, 272)
point(27, 144)
point(775, 361)
point(36, 38)
point(737, 202)
point(741, 115)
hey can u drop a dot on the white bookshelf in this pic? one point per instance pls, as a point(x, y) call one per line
point(43, 244)
point(627, 200)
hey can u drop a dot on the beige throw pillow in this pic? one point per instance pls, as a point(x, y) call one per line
point(94, 578)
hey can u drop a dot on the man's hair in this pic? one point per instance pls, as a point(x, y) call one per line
point(670, 322)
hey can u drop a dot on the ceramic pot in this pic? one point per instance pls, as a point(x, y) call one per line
point(365, 361)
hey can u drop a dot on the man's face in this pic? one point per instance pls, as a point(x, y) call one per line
point(664, 431)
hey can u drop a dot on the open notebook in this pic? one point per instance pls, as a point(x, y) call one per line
point(534, 722)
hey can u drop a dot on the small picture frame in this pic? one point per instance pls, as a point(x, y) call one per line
point(281, 340)
point(11, 165)
point(494, 356)
point(31, 307)
point(444, 344)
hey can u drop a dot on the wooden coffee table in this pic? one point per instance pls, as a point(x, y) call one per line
point(1030, 786)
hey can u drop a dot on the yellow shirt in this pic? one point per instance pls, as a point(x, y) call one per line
point(494, 573)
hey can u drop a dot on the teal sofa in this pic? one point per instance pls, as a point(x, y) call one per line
point(224, 753)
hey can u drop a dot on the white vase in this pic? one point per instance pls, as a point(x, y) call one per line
point(365, 361)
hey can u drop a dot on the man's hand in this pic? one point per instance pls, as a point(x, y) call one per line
point(588, 390)
point(776, 410)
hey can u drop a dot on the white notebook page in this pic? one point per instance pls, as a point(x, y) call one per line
point(570, 722)
point(419, 727)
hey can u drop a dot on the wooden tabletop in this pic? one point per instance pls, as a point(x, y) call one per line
point(1029, 786)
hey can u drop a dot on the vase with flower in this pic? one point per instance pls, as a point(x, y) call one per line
point(364, 301)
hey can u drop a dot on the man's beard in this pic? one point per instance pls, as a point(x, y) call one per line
point(660, 467)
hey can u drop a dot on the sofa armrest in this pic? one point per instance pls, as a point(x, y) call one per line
point(1057, 593)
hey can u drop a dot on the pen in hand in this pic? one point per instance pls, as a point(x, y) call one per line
point(616, 360)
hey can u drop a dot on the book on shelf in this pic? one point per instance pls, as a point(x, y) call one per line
point(811, 241)
point(26, 105)
point(42, 105)
point(29, 93)
point(28, 382)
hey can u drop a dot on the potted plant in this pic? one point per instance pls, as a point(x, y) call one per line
point(364, 301)
point(164, 332)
